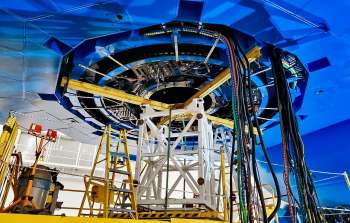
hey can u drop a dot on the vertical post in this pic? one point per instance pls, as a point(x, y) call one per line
point(7, 142)
point(107, 167)
point(129, 169)
point(167, 165)
point(200, 150)
point(139, 150)
point(223, 178)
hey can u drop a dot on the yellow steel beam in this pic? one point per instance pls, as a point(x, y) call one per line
point(253, 54)
point(226, 122)
point(7, 142)
point(165, 120)
point(112, 93)
point(221, 78)
point(129, 98)
point(120, 95)
point(28, 218)
point(221, 121)
point(204, 91)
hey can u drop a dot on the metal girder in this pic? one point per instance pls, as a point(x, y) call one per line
point(208, 88)
point(31, 218)
point(148, 217)
point(129, 98)
point(123, 96)
point(224, 76)
point(226, 122)
point(112, 93)
point(215, 120)
point(253, 54)
point(154, 140)
point(221, 121)
point(180, 214)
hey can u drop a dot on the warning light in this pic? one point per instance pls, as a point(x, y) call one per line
point(35, 129)
point(51, 135)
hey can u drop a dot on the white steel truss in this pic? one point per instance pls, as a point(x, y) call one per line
point(193, 181)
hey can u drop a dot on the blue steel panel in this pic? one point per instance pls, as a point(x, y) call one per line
point(318, 64)
point(190, 10)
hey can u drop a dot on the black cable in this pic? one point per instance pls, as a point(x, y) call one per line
point(266, 155)
point(242, 117)
point(245, 68)
point(236, 108)
point(246, 118)
point(293, 144)
point(231, 171)
point(276, 68)
point(243, 97)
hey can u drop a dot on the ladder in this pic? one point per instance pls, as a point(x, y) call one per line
point(116, 187)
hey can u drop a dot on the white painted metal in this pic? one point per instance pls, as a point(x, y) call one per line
point(187, 163)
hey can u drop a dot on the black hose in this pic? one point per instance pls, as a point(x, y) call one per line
point(231, 171)
point(266, 155)
point(292, 138)
point(254, 166)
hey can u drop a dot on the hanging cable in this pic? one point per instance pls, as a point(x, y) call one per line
point(247, 81)
point(293, 149)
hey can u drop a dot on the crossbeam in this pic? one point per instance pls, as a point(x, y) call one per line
point(221, 78)
point(113, 94)
point(221, 121)
point(128, 98)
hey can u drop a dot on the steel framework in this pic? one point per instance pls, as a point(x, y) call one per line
point(187, 153)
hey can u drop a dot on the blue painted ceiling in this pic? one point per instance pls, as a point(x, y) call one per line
point(310, 29)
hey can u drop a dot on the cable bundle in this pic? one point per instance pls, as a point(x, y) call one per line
point(245, 140)
point(293, 149)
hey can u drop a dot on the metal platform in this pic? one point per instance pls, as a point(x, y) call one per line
point(19, 218)
point(212, 215)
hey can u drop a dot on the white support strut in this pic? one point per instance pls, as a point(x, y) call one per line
point(193, 153)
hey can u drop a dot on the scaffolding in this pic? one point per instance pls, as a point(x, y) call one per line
point(181, 159)
point(113, 190)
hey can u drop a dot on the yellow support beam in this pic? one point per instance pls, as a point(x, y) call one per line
point(215, 120)
point(120, 95)
point(221, 121)
point(221, 78)
point(128, 98)
point(28, 218)
point(7, 142)
point(112, 93)
point(253, 54)
point(226, 122)
point(208, 88)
